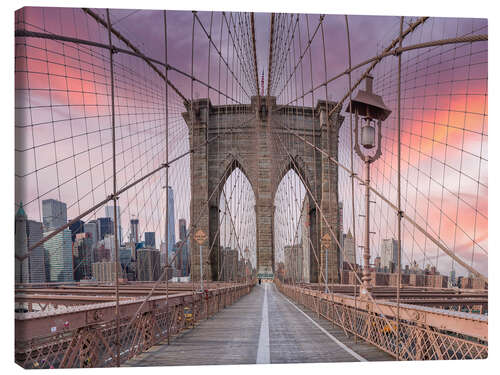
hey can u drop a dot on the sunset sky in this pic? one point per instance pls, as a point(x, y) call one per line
point(63, 117)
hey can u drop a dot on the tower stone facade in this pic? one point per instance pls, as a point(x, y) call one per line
point(253, 137)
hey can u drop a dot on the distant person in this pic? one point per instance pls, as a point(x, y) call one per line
point(260, 281)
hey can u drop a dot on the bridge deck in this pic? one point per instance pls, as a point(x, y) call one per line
point(262, 327)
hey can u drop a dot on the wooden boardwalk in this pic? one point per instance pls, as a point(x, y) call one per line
point(262, 327)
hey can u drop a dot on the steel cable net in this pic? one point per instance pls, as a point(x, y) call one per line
point(444, 146)
point(77, 80)
point(443, 130)
point(63, 110)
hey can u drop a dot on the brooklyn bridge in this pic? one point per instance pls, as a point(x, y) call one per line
point(325, 177)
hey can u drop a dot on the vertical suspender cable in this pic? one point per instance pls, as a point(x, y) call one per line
point(208, 109)
point(399, 191)
point(316, 213)
point(269, 71)
point(166, 175)
point(352, 167)
point(219, 256)
point(117, 258)
point(191, 109)
point(328, 145)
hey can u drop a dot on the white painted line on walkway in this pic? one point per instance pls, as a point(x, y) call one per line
point(263, 350)
point(333, 338)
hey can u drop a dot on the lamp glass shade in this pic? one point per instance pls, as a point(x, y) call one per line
point(368, 135)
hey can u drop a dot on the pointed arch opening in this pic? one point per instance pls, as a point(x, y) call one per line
point(237, 258)
point(291, 222)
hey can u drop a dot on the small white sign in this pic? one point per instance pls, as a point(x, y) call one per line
point(53, 329)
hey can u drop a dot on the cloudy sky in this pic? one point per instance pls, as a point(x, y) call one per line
point(63, 123)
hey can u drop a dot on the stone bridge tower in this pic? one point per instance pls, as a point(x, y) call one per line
point(254, 138)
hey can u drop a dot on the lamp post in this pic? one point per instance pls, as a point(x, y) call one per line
point(369, 109)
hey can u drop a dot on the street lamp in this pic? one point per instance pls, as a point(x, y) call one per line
point(369, 109)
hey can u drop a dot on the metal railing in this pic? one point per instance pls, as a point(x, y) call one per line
point(425, 333)
point(91, 339)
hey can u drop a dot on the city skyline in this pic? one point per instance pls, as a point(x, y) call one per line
point(70, 254)
point(198, 185)
point(468, 237)
point(59, 270)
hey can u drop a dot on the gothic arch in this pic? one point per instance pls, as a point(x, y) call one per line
point(231, 163)
point(244, 140)
point(299, 167)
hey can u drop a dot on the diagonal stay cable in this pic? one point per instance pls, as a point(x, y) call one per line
point(191, 229)
point(110, 197)
point(308, 45)
point(133, 48)
point(438, 243)
point(152, 61)
point(218, 51)
point(368, 294)
point(374, 60)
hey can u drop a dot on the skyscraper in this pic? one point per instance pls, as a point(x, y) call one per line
point(341, 233)
point(148, 265)
point(305, 239)
point(453, 279)
point(109, 243)
point(101, 254)
point(85, 256)
point(163, 253)
point(106, 226)
point(182, 229)
point(341, 222)
point(134, 230)
point(59, 256)
point(389, 253)
point(54, 214)
point(171, 222)
point(149, 239)
point(182, 260)
point(22, 266)
point(125, 256)
point(34, 231)
point(105, 271)
point(229, 264)
point(92, 229)
point(110, 212)
point(349, 248)
point(293, 262)
point(75, 228)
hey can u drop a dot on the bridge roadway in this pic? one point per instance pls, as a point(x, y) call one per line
point(262, 327)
